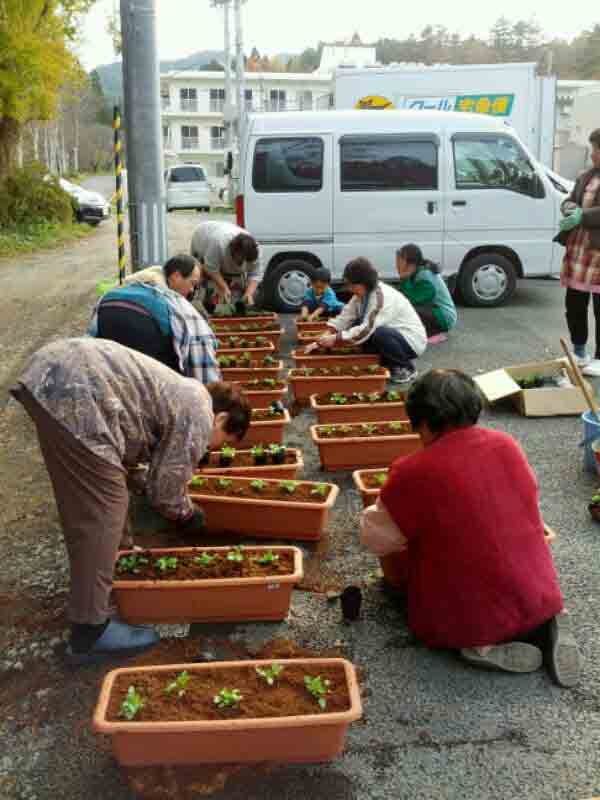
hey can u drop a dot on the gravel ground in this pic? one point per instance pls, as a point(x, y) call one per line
point(432, 726)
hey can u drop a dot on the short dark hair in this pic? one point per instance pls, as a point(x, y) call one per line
point(322, 274)
point(361, 271)
point(444, 399)
point(595, 137)
point(182, 263)
point(413, 254)
point(244, 245)
point(230, 398)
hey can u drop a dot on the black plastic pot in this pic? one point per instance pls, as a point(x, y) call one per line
point(279, 457)
point(225, 461)
point(351, 600)
point(260, 461)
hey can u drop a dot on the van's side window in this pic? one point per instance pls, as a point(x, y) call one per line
point(494, 162)
point(384, 163)
point(288, 165)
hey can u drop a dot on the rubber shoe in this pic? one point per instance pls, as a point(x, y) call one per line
point(563, 659)
point(402, 375)
point(592, 368)
point(118, 639)
point(509, 657)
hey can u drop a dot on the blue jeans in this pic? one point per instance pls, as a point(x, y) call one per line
point(393, 348)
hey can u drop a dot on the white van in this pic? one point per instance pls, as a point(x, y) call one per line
point(186, 187)
point(322, 188)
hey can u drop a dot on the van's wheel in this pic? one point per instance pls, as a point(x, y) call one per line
point(284, 285)
point(487, 280)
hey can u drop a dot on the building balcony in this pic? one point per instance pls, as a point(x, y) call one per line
point(190, 143)
point(217, 143)
point(216, 106)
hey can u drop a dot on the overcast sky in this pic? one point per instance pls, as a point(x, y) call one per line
point(186, 26)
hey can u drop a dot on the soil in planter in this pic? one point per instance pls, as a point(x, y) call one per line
point(356, 398)
point(189, 570)
point(247, 459)
point(333, 351)
point(263, 385)
point(239, 362)
point(262, 414)
point(250, 327)
point(334, 372)
point(272, 490)
point(366, 430)
point(236, 342)
point(288, 697)
point(371, 480)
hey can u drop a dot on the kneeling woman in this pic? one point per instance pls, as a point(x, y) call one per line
point(422, 284)
point(464, 510)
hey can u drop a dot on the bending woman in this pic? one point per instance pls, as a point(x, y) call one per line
point(422, 284)
point(464, 511)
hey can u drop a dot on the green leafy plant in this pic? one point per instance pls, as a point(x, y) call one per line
point(267, 558)
point(179, 685)
point(224, 361)
point(235, 554)
point(245, 358)
point(345, 429)
point(270, 382)
point(368, 427)
point(380, 478)
point(393, 396)
point(289, 487)
point(257, 485)
point(224, 483)
point(261, 340)
point(205, 559)
point(307, 371)
point(132, 705)
point(228, 452)
point(269, 361)
point(318, 687)
point(373, 397)
point(338, 398)
point(166, 563)
point(275, 449)
point(258, 450)
point(131, 563)
point(320, 490)
point(270, 674)
point(275, 412)
point(197, 482)
point(596, 498)
point(373, 369)
point(396, 425)
point(228, 698)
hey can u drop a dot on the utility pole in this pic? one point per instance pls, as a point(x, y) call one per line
point(141, 84)
point(239, 72)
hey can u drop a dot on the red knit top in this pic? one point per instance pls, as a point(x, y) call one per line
point(480, 571)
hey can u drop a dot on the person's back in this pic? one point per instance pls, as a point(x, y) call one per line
point(479, 569)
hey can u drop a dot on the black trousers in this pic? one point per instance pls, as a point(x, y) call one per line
point(429, 320)
point(137, 330)
point(391, 345)
point(576, 304)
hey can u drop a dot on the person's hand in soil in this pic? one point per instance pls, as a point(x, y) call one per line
point(328, 340)
point(193, 524)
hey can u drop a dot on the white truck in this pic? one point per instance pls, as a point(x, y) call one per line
point(512, 92)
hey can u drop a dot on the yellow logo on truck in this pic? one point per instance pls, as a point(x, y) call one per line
point(375, 102)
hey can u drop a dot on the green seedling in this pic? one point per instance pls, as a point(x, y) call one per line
point(224, 483)
point(339, 399)
point(269, 361)
point(373, 397)
point(166, 563)
point(131, 563)
point(289, 487)
point(228, 698)
point(258, 451)
point(307, 371)
point(320, 490)
point(393, 396)
point(253, 382)
point(261, 340)
point(596, 498)
point(179, 685)
point(267, 558)
point(275, 449)
point(235, 554)
point(358, 396)
point(228, 452)
point(380, 478)
point(224, 361)
point(257, 485)
point(197, 482)
point(345, 429)
point(318, 688)
point(132, 704)
point(204, 559)
point(396, 425)
point(275, 412)
point(372, 369)
point(271, 382)
point(367, 427)
point(269, 674)
point(245, 358)
point(328, 430)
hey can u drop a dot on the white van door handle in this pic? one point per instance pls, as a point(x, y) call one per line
point(459, 202)
point(431, 207)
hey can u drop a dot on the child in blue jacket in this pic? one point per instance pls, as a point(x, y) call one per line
point(320, 300)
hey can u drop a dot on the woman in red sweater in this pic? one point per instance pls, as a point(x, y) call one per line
point(465, 513)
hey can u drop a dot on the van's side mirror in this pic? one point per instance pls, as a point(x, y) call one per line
point(228, 163)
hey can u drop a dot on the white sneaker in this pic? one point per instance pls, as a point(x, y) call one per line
point(582, 361)
point(592, 368)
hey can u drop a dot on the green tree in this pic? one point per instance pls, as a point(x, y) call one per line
point(104, 115)
point(35, 61)
point(588, 61)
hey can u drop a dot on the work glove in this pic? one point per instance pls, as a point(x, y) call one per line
point(192, 524)
point(571, 220)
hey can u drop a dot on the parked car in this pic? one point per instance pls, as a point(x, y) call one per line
point(320, 188)
point(90, 207)
point(186, 187)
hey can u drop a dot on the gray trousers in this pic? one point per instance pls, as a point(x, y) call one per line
point(92, 500)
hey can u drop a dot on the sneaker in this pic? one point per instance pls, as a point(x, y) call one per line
point(437, 338)
point(562, 656)
point(509, 657)
point(118, 639)
point(582, 361)
point(402, 375)
point(592, 368)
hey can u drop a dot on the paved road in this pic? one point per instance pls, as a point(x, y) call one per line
point(432, 727)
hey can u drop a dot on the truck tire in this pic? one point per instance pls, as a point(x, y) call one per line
point(487, 280)
point(285, 284)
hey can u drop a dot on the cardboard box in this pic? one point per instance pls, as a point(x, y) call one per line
point(545, 402)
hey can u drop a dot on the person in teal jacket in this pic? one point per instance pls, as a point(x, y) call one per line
point(422, 284)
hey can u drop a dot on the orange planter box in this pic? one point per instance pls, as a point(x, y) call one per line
point(274, 337)
point(268, 431)
point(211, 600)
point(358, 412)
point(223, 322)
point(270, 519)
point(242, 374)
point(303, 386)
point(368, 495)
point(372, 451)
point(314, 360)
point(309, 738)
point(281, 471)
point(255, 352)
point(264, 397)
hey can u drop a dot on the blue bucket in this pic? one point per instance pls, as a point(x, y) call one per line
point(591, 432)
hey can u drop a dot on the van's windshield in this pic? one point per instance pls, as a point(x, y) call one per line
point(188, 175)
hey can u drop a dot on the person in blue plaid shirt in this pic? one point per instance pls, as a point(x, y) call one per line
point(158, 320)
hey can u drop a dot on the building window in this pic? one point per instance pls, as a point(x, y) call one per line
point(188, 99)
point(494, 162)
point(248, 99)
point(387, 163)
point(305, 100)
point(277, 100)
point(166, 132)
point(217, 138)
point(189, 137)
point(288, 165)
point(217, 100)
point(165, 99)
